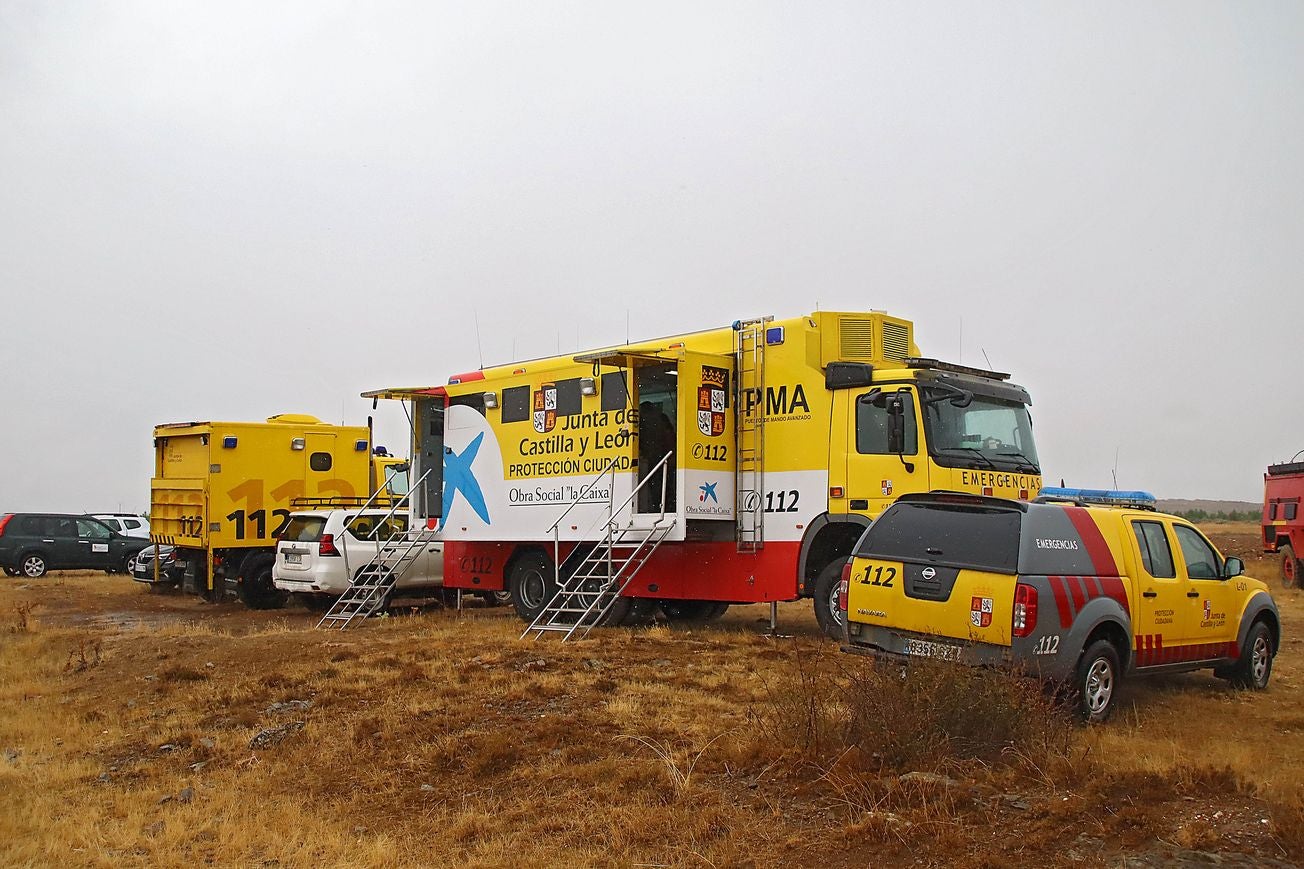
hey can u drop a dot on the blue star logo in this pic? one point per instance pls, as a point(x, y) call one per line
point(708, 491)
point(458, 477)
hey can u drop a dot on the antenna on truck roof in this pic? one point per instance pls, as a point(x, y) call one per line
point(479, 349)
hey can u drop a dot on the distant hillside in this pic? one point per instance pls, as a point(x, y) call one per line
point(1213, 508)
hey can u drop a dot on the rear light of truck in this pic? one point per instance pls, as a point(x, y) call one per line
point(326, 546)
point(4, 520)
point(844, 586)
point(1025, 610)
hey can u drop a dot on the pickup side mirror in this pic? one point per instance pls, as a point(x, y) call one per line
point(1232, 566)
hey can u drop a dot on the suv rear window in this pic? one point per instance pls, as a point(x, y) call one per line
point(960, 535)
point(304, 529)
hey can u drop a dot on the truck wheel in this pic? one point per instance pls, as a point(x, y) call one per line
point(688, 610)
point(532, 584)
point(32, 565)
point(256, 588)
point(1254, 667)
point(827, 613)
point(1096, 681)
point(1289, 567)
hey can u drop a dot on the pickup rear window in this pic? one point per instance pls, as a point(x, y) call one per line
point(959, 535)
point(304, 529)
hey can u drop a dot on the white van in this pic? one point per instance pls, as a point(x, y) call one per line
point(320, 550)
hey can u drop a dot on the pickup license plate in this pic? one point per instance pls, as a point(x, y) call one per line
point(926, 649)
point(293, 558)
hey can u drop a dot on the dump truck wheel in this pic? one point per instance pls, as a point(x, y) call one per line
point(256, 588)
point(1289, 567)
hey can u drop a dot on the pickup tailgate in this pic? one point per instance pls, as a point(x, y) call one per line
point(938, 569)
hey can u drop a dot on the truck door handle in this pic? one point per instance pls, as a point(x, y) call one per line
point(44, 540)
point(1193, 594)
point(1150, 594)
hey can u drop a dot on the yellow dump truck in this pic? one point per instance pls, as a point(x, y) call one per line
point(223, 491)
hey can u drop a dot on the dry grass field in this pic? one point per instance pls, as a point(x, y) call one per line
point(147, 729)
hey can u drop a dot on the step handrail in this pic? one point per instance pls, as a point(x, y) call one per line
point(584, 491)
point(611, 509)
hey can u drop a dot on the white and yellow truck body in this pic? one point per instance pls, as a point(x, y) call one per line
point(786, 437)
point(222, 492)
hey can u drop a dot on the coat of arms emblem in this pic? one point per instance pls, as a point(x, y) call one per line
point(712, 399)
point(545, 408)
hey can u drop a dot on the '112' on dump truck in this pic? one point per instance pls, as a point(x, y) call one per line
point(223, 491)
point(735, 465)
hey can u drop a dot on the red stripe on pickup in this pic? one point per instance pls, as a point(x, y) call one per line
point(1097, 549)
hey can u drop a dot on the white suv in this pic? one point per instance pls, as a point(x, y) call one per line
point(126, 524)
point(320, 550)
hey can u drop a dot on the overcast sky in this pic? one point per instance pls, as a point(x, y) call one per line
point(229, 210)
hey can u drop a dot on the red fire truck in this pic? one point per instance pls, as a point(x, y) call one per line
point(1283, 525)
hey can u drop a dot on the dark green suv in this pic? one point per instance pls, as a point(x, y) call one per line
point(32, 543)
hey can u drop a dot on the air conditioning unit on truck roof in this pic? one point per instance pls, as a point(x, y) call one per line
point(222, 491)
point(695, 471)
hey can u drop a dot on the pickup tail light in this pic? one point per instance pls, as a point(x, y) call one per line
point(4, 520)
point(844, 585)
point(1025, 610)
point(326, 546)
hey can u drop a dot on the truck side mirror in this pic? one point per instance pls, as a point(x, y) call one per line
point(896, 425)
point(1233, 566)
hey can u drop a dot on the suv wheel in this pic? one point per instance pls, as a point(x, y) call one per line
point(32, 565)
point(10, 571)
point(1096, 682)
point(1254, 667)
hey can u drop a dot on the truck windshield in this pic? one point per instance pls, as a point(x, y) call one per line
point(396, 481)
point(993, 432)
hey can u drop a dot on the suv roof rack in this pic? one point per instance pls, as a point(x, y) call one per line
point(1135, 498)
point(338, 501)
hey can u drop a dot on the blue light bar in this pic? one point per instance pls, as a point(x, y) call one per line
point(1115, 497)
point(360, 445)
point(774, 335)
point(228, 442)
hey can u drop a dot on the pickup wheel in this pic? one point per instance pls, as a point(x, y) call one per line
point(1289, 567)
point(827, 612)
point(1254, 667)
point(1096, 681)
point(531, 584)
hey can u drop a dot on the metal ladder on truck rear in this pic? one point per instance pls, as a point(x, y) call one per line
point(587, 593)
point(371, 585)
point(749, 432)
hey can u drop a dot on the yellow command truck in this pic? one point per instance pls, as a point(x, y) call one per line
point(784, 437)
point(223, 491)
